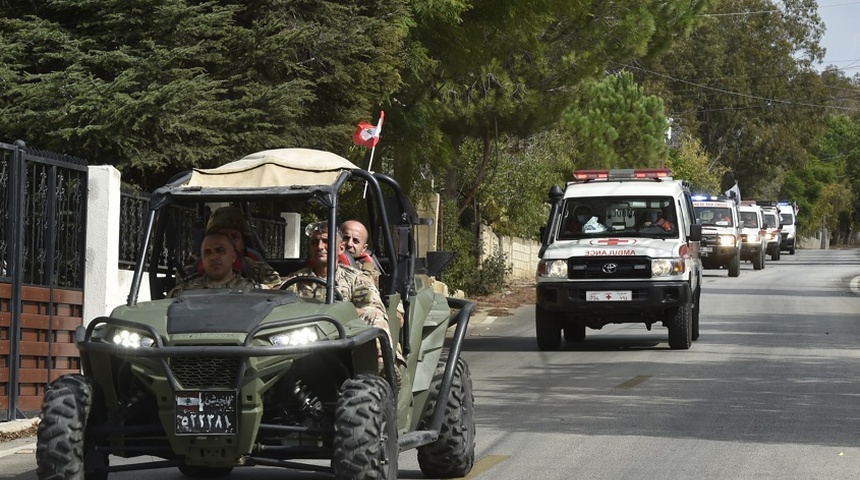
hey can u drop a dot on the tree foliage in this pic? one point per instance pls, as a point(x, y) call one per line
point(154, 87)
point(614, 125)
point(690, 162)
point(742, 83)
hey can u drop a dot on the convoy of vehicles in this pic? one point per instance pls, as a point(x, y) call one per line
point(753, 241)
point(620, 246)
point(217, 379)
point(721, 232)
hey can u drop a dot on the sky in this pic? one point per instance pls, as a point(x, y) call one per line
point(842, 35)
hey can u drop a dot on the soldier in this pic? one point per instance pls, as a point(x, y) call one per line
point(354, 236)
point(353, 284)
point(218, 256)
point(231, 222)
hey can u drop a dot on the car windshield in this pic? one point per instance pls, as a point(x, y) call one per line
point(787, 219)
point(714, 216)
point(770, 221)
point(618, 216)
point(750, 219)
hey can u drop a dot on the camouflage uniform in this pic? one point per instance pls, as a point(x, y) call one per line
point(262, 272)
point(257, 270)
point(200, 280)
point(354, 286)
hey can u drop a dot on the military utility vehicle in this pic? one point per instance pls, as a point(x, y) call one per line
point(219, 379)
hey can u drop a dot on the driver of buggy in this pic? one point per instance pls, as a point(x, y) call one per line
point(354, 285)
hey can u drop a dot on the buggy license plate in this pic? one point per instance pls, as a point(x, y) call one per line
point(206, 413)
point(706, 249)
point(609, 296)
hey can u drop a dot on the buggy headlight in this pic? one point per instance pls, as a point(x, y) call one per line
point(665, 267)
point(726, 240)
point(552, 268)
point(299, 336)
point(132, 339)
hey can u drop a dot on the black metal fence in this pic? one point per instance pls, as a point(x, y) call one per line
point(42, 217)
point(43, 200)
point(133, 210)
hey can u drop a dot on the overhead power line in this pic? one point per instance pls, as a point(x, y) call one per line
point(770, 101)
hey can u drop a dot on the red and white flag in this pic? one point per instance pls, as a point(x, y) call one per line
point(367, 135)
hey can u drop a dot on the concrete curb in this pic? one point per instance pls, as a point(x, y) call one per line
point(15, 429)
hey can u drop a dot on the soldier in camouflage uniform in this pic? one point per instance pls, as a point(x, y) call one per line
point(355, 241)
point(231, 222)
point(354, 285)
point(218, 255)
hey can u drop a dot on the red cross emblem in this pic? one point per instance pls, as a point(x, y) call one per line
point(611, 242)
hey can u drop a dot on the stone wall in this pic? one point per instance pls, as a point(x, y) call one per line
point(521, 254)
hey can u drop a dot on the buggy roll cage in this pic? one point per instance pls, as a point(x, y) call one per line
point(401, 265)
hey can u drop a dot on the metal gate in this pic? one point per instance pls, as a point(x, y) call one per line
point(43, 198)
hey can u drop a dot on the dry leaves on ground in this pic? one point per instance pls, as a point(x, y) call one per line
point(500, 304)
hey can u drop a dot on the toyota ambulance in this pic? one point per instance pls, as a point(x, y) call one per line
point(620, 246)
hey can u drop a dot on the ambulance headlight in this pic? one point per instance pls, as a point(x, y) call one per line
point(552, 268)
point(726, 240)
point(666, 267)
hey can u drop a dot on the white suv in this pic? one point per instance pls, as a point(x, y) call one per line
point(620, 246)
point(754, 244)
point(721, 232)
point(788, 212)
point(773, 234)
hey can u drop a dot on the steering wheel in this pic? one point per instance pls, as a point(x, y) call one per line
point(321, 281)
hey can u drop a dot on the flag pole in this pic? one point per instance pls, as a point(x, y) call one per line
point(369, 164)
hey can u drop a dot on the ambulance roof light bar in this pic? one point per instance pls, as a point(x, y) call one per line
point(623, 174)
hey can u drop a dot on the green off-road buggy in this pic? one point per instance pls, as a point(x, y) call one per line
point(217, 379)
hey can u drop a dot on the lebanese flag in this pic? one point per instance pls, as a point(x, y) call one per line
point(367, 135)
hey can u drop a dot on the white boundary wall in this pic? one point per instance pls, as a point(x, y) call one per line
point(105, 285)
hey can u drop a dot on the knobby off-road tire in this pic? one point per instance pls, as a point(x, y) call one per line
point(365, 430)
point(61, 451)
point(547, 329)
point(680, 329)
point(453, 453)
point(735, 265)
point(775, 255)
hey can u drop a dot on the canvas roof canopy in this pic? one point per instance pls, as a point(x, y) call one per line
point(274, 168)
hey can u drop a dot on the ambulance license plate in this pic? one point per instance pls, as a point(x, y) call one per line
point(609, 296)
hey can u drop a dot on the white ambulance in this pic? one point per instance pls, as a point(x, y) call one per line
point(620, 246)
point(721, 232)
point(788, 212)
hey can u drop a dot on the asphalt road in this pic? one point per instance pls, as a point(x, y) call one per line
point(769, 391)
